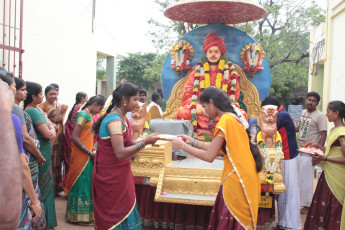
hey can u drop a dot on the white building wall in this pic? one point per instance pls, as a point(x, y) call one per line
point(59, 46)
point(337, 70)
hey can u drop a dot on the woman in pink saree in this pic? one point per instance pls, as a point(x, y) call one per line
point(113, 187)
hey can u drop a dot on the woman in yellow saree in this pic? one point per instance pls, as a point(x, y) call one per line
point(326, 210)
point(237, 203)
point(79, 180)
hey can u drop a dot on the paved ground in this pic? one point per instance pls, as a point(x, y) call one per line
point(60, 205)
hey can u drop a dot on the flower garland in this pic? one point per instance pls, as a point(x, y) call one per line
point(271, 168)
point(202, 80)
point(252, 66)
point(180, 59)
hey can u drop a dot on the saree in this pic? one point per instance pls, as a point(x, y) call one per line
point(78, 184)
point(45, 175)
point(25, 219)
point(56, 114)
point(238, 200)
point(67, 141)
point(33, 165)
point(326, 210)
point(113, 187)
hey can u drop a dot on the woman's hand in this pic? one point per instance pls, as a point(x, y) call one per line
point(177, 143)
point(185, 138)
point(152, 138)
point(317, 158)
point(52, 134)
point(311, 144)
point(36, 209)
point(200, 110)
point(40, 159)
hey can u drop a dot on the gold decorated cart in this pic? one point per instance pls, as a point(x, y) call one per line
point(194, 181)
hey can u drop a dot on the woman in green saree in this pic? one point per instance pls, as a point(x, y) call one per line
point(79, 185)
point(326, 210)
point(44, 134)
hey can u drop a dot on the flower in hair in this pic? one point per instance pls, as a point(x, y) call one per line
point(241, 117)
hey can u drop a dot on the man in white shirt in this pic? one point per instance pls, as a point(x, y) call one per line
point(312, 127)
point(156, 101)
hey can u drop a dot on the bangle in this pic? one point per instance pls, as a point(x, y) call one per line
point(140, 144)
point(326, 158)
point(38, 204)
point(85, 150)
point(192, 142)
point(182, 147)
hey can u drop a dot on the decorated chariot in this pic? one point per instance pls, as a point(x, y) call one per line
point(243, 73)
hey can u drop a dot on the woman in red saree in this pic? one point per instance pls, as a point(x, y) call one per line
point(68, 128)
point(56, 114)
point(113, 186)
point(237, 203)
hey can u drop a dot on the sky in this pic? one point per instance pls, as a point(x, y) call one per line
point(128, 25)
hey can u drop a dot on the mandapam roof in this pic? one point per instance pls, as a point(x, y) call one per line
point(215, 11)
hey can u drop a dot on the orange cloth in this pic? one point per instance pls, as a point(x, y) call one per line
point(184, 112)
point(79, 159)
point(213, 40)
point(240, 180)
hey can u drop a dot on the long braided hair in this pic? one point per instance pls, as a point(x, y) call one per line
point(78, 97)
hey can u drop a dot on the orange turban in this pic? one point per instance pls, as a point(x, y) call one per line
point(213, 40)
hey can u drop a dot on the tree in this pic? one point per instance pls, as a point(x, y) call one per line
point(100, 69)
point(141, 69)
point(167, 33)
point(283, 34)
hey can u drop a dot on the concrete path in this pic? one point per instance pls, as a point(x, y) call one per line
point(60, 206)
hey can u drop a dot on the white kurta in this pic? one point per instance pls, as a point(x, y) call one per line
point(306, 171)
point(289, 201)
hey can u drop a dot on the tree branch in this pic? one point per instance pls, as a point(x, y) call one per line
point(286, 60)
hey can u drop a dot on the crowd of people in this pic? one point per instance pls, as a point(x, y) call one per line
point(94, 147)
